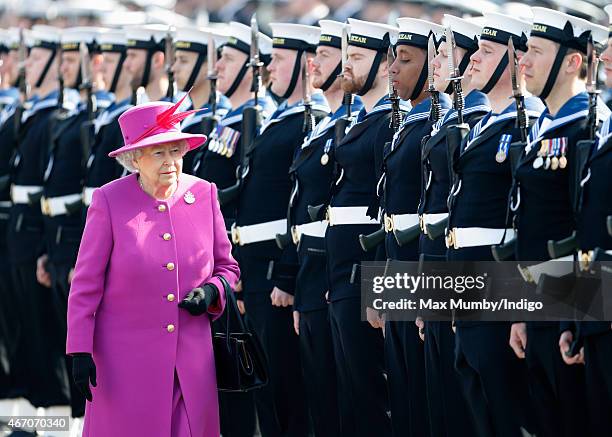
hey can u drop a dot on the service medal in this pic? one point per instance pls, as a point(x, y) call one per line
point(554, 163)
point(324, 159)
point(538, 162)
point(562, 162)
point(500, 157)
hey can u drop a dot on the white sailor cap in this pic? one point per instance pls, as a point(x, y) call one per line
point(567, 30)
point(373, 36)
point(195, 39)
point(13, 38)
point(500, 28)
point(295, 36)
point(331, 33)
point(112, 40)
point(608, 10)
point(240, 39)
point(148, 37)
point(415, 32)
point(72, 37)
point(518, 10)
point(46, 37)
point(466, 32)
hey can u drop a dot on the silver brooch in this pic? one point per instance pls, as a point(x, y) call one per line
point(189, 198)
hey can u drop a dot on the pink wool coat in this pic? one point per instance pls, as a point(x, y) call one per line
point(138, 258)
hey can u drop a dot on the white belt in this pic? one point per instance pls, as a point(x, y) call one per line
point(242, 235)
point(430, 219)
point(473, 237)
point(6, 204)
point(400, 222)
point(57, 205)
point(349, 215)
point(21, 193)
point(555, 267)
point(88, 195)
point(314, 229)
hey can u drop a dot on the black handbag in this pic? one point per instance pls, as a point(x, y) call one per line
point(239, 359)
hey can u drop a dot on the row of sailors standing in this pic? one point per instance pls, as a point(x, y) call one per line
point(465, 379)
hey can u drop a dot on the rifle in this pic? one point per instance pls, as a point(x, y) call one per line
point(168, 62)
point(371, 241)
point(343, 123)
point(306, 96)
point(583, 149)
point(396, 115)
point(506, 250)
point(210, 123)
point(521, 113)
point(454, 134)
point(22, 54)
point(251, 119)
point(435, 108)
point(87, 85)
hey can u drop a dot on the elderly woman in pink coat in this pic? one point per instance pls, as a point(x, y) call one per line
point(146, 287)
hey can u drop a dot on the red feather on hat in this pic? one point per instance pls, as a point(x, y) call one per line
point(167, 119)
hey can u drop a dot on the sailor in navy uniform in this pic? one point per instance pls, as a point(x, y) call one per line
point(100, 169)
point(61, 202)
point(43, 363)
point(443, 385)
point(353, 210)
point(145, 62)
point(400, 190)
point(218, 159)
point(9, 99)
point(268, 273)
point(190, 73)
point(595, 244)
point(494, 380)
point(543, 203)
point(312, 172)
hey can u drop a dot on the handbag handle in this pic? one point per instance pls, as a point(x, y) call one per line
point(231, 305)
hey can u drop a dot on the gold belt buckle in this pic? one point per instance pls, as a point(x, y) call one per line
point(388, 223)
point(421, 223)
point(526, 274)
point(328, 214)
point(451, 240)
point(235, 234)
point(294, 235)
point(45, 206)
point(585, 259)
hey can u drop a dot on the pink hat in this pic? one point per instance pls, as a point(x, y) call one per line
point(155, 123)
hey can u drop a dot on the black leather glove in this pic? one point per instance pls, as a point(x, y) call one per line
point(84, 372)
point(199, 299)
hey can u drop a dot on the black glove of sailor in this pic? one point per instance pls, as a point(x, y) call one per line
point(84, 372)
point(200, 299)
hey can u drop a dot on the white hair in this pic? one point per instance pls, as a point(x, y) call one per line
point(127, 158)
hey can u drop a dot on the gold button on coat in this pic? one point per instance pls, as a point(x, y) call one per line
point(170, 328)
point(170, 297)
point(166, 236)
point(170, 266)
point(161, 207)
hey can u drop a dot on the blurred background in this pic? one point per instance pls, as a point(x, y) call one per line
point(63, 13)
